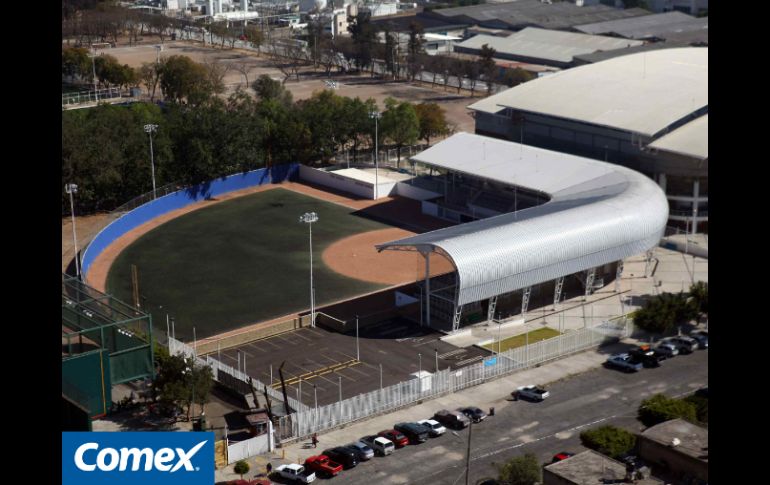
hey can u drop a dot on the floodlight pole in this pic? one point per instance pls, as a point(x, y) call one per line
point(310, 218)
point(358, 354)
point(376, 115)
point(150, 129)
point(73, 189)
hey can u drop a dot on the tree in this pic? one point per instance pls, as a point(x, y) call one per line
point(267, 88)
point(75, 63)
point(472, 73)
point(414, 48)
point(241, 468)
point(364, 37)
point(609, 440)
point(660, 408)
point(181, 79)
point(400, 124)
point(432, 120)
point(391, 41)
point(254, 36)
point(487, 66)
point(701, 404)
point(662, 313)
point(244, 67)
point(516, 76)
point(521, 470)
point(699, 292)
point(149, 75)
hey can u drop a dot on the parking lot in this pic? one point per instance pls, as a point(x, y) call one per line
point(323, 363)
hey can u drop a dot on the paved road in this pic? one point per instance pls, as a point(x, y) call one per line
point(597, 397)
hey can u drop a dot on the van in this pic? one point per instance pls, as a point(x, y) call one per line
point(416, 433)
point(452, 419)
point(380, 445)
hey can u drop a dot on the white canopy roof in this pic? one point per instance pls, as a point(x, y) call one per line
point(598, 213)
point(691, 139)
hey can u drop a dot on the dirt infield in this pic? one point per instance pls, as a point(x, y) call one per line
point(356, 257)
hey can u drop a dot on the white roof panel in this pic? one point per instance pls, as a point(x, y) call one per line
point(691, 139)
point(641, 93)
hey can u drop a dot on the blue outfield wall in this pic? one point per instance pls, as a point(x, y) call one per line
point(182, 198)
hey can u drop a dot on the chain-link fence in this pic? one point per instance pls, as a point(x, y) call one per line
point(404, 393)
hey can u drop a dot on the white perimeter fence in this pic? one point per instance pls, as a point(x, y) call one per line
point(311, 420)
point(176, 347)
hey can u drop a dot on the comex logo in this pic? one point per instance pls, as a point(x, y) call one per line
point(109, 459)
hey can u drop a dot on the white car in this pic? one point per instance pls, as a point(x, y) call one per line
point(292, 471)
point(436, 429)
point(534, 393)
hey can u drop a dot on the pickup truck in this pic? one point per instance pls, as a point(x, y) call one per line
point(624, 362)
point(295, 472)
point(532, 393)
point(323, 466)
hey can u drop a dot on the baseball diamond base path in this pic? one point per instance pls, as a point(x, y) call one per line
point(356, 257)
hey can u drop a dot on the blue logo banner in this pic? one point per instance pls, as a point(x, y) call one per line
point(490, 361)
point(147, 458)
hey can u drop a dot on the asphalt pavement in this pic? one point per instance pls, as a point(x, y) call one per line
point(594, 398)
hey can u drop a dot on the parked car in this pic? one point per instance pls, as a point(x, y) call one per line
point(416, 433)
point(561, 456)
point(398, 439)
point(684, 344)
point(295, 472)
point(474, 413)
point(452, 419)
point(380, 445)
point(323, 466)
point(342, 455)
point(363, 451)
point(702, 337)
point(623, 362)
point(648, 358)
point(531, 393)
point(667, 349)
point(436, 429)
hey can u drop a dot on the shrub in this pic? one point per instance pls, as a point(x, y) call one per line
point(241, 468)
point(701, 407)
point(661, 313)
point(521, 470)
point(609, 440)
point(660, 408)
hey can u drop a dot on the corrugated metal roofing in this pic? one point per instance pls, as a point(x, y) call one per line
point(648, 26)
point(641, 93)
point(547, 44)
point(691, 139)
point(598, 213)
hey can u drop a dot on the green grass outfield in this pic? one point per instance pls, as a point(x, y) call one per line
point(238, 262)
point(521, 340)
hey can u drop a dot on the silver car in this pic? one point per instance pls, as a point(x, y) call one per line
point(667, 349)
point(684, 344)
point(363, 451)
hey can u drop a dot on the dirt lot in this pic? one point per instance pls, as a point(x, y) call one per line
point(362, 86)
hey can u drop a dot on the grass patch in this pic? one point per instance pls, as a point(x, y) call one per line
point(521, 340)
point(238, 262)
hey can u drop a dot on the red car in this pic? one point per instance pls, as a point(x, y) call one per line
point(322, 465)
point(561, 456)
point(396, 437)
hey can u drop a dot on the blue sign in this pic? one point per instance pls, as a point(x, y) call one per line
point(138, 457)
point(490, 361)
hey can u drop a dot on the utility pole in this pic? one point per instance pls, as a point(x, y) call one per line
point(468, 458)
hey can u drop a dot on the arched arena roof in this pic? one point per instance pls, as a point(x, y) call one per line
point(641, 93)
point(598, 213)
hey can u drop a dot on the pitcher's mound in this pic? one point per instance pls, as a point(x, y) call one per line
point(356, 257)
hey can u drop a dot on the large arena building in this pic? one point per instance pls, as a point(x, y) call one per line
point(529, 218)
point(647, 111)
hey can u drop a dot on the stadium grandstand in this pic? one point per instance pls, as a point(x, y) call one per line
point(529, 218)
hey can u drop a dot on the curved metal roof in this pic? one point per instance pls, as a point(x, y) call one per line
point(598, 213)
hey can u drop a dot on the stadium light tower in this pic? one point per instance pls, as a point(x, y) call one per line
point(73, 189)
point(310, 218)
point(376, 115)
point(150, 129)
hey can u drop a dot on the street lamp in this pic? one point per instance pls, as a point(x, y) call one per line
point(310, 218)
point(73, 189)
point(150, 129)
point(376, 115)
